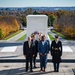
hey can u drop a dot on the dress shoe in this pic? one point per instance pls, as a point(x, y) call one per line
point(57, 70)
point(35, 67)
point(26, 70)
point(44, 70)
point(31, 70)
point(40, 70)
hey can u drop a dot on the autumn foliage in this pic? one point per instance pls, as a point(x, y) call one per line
point(66, 23)
point(8, 25)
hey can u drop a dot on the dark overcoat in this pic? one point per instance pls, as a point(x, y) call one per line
point(36, 48)
point(56, 51)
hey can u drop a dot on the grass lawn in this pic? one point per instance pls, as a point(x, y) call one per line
point(22, 38)
point(13, 34)
point(59, 34)
point(51, 37)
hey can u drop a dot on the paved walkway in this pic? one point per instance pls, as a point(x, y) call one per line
point(17, 53)
point(15, 38)
point(19, 69)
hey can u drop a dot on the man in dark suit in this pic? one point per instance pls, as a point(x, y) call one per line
point(35, 45)
point(28, 52)
point(56, 52)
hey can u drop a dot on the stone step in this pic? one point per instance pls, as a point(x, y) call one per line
point(23, 60)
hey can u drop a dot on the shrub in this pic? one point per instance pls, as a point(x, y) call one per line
point(1, 34)
point(57, 27)
point(70, 31)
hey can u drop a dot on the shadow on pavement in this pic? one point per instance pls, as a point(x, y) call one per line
point(21, 71)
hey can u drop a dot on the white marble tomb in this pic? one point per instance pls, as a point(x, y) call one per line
point(37, 23)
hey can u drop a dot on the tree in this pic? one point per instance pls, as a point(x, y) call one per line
point(29, 11)
point(36, 12)
point(24, 22)
point(66, 23)
point(8, 25)
point(51, 20)
point(1, 35)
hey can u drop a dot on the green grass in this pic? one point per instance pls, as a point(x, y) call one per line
point(51, 37)
point(59, 34)
point(13, 34)
point(22, 38)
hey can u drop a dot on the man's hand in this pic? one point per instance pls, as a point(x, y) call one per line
point(44, 54)
point(25, 56)
point(41, 54)
point(33, 55)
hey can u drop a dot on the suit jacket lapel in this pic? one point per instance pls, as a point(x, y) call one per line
point(31, 44)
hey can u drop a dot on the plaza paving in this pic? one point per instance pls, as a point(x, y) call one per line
point(19, 69)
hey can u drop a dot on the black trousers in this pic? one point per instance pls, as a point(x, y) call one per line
point(34, 61)
point(56, 66)
point(28, 60)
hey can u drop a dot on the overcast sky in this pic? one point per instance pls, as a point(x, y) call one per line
point(36, 3)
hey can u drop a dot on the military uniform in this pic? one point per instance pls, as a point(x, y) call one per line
point(56, 53)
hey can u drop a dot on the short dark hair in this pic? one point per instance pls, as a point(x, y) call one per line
point(56, 36)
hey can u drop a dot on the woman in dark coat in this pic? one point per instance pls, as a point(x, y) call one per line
point(56, 53)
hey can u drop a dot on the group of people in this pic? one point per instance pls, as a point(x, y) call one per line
point(41, 45)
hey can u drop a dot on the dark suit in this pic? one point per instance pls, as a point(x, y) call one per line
point(56, 52)
point(35, 46)
point(29, 52)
